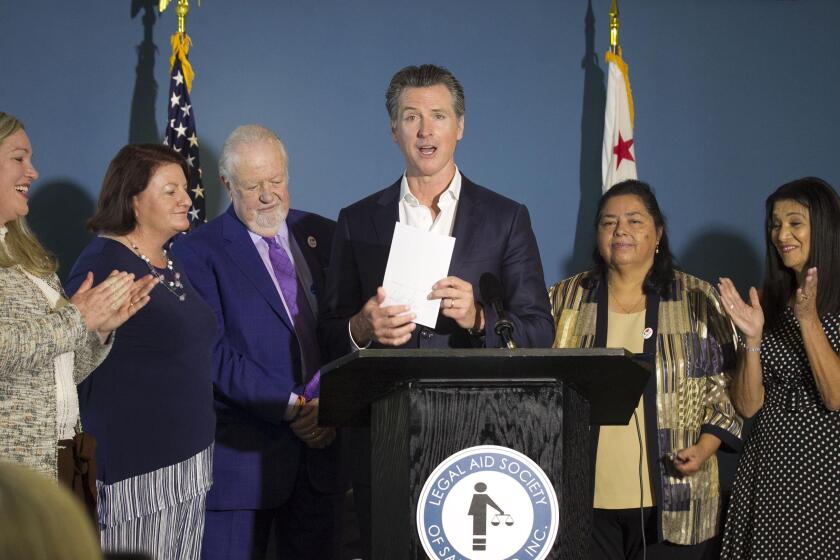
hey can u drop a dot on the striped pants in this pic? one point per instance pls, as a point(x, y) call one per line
point(173, 533)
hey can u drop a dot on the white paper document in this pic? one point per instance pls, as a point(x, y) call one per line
point(417, 260)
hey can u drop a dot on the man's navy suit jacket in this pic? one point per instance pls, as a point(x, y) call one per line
point(256, 358)
point(492, 234)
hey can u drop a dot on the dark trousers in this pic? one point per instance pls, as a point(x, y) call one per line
point(617, 535)
point(306, 527)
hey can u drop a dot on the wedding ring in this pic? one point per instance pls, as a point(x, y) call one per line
point(451, 303)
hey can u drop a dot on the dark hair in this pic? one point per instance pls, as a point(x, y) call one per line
point(661, 276)
point(780, 282)
point(426, 75)
point(127, 176)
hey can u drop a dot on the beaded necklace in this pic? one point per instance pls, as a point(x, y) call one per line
point(175, 286)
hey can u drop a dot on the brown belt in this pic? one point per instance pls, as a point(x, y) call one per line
point(77, 470)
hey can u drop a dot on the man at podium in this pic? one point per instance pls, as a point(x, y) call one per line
point(492, 234)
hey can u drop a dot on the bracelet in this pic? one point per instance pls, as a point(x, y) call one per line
point(742, 341)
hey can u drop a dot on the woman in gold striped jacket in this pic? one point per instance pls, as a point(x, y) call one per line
point(663, 462)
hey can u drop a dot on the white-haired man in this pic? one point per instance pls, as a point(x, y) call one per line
point(261, 266)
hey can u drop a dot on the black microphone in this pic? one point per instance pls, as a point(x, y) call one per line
point(493, 294)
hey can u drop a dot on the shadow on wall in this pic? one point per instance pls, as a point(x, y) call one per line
point(58, 212)
point(591, 136)
point(216, 195)
point(142, 125)
point(712, 254)
point(720, 252)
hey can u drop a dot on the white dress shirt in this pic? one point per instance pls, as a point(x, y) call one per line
point(413, 213)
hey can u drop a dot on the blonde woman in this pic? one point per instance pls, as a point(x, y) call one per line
point(40, 520)
point(47, 343)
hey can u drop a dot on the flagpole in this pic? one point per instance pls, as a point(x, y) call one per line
point(181, 10)
point(614, 48)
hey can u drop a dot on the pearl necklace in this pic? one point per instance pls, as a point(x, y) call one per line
point(175, 286)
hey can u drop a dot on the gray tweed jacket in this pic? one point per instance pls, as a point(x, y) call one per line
point(32, 334)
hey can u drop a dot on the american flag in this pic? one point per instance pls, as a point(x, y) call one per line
point(181, 135)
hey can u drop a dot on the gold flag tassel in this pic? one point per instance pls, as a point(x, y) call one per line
point(181, 43)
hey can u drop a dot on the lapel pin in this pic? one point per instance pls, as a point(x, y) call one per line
point(647, 333)
point(311, 241)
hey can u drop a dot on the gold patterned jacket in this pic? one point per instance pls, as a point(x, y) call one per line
point(32, 334)
point(695, 352)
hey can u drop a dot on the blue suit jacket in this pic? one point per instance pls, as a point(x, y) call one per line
point(492, 234)
point(256, 357)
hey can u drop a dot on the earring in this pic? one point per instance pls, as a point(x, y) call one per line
point(657, 248)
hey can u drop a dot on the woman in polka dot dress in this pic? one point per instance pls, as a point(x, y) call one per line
point(786, 496)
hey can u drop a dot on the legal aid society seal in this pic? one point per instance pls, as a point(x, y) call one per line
point(487, 503)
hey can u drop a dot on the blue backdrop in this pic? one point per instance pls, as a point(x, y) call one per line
point(732, 99)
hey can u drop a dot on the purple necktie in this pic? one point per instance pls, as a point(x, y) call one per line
point(302, 317)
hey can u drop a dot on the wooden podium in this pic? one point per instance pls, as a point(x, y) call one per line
point(424, 405)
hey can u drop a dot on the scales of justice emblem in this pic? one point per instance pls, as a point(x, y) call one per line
point(487, 503)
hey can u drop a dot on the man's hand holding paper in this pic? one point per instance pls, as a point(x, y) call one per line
point(417, 263)
point(390, 325)
point(418, 259)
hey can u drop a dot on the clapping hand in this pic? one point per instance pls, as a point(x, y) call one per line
point(113, 301)
point(98, 303)
point(748, 317)
point(135, 300)
point(805, 301)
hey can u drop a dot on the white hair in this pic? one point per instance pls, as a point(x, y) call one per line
point(241, 136)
